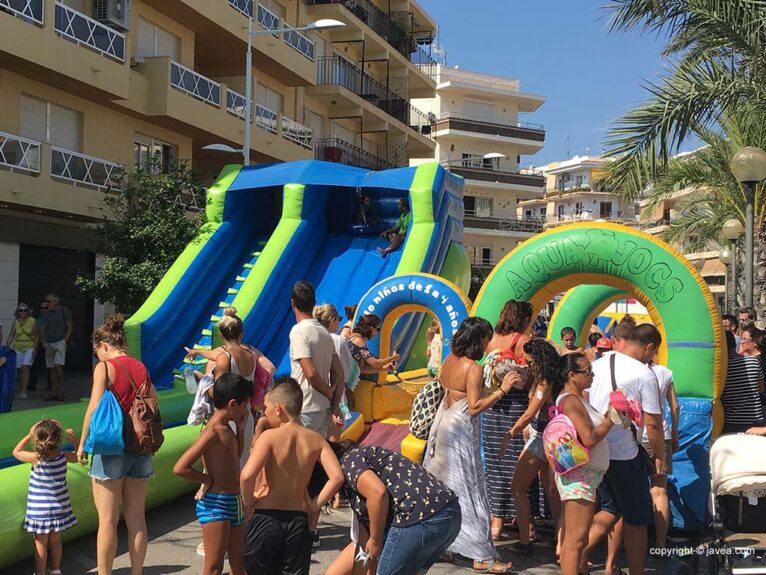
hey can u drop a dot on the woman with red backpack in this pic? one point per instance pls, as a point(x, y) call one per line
point(576, 484)
point(118, 478)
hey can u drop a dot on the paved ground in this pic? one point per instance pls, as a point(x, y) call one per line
point(76, 386)
point(174, 535)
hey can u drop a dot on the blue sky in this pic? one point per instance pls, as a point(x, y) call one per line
point(560, 49)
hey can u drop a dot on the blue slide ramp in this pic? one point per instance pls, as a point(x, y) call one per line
point(342, 272)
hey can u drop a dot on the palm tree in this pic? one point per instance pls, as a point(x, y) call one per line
point(715, 90)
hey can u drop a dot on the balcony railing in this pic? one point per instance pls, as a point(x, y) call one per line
point(31, 10)
point(85, 170)
point(196, 85)
point(491, 126)
point(88, 32)
point(266, 119)
point(586, 216)
point(300, 42)
point(19, 154)
point(298, 133)
point(482, 222)
point(376, 19)
point(235, 103)
point(471, 171)
point(335, 70)
point(341, 152)
point(244, 6)
point(267, 19)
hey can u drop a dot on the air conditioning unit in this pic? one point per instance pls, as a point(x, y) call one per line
point(114, 13)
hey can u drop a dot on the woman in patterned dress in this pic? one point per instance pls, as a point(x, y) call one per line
point(508, 339)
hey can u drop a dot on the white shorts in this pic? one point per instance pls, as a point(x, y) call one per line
point(318, 421)
point(26, 357)
point(55, 353)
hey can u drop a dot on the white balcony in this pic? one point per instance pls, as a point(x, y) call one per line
point(300, 42)
point(88, 32)
point(297, 133)
point(266, 119)
point(79, 169)
point(31, 10)
point(196, 85)
point(236, 103)
point(19, 154)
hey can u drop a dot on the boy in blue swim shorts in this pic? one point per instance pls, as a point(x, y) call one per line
point(219, 503)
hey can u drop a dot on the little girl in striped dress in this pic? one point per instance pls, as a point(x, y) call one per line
point(49, 511)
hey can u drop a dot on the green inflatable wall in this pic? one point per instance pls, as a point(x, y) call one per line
point(628, 260)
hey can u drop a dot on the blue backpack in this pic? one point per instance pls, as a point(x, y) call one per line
point(105, 436)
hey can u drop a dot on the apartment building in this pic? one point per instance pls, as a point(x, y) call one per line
point(478, 133)
point(573, 194)
point(91, 89)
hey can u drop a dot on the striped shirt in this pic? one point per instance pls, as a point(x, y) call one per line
point(48, 505)
point(741, 400)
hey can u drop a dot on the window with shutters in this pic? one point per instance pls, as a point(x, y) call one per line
point(48, 122)
point(476, 110)
point(151, 40)
point(271, 99)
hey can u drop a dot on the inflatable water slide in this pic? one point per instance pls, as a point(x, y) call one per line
point(265, 228)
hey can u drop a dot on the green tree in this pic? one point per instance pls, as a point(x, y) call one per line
point(714, 90)
point(145, 227)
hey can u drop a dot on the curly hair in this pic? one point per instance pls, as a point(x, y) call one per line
point(46, 438)
point(545, 361)
point(514, 318)
point(112, 332)
point(366, 324)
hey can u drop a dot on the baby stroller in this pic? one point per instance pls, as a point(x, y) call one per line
point(738, 498)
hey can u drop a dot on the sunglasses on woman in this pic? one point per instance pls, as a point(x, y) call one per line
point(588, 371)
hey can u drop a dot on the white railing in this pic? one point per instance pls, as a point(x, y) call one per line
point(196, 85)
point(300, 42)
point(266, 119)
point(81, 169)
point(244, 6)
point(235, 103)
point(19, 153)
point(267, 19)
point(31, 10)
point(88, 32)
point(296, 132)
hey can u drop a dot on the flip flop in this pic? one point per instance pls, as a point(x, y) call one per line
point(494, 568)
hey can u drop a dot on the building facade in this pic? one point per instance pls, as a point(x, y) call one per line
point(478, 135)
point(92, 89)
point(573, 194)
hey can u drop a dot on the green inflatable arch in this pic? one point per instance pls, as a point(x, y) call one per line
point(629, 261)
point(580, 306)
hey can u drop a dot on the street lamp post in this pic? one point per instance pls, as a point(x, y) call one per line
point(732, 230)
point(749, 167)
point(324, 24)
point(727, 258)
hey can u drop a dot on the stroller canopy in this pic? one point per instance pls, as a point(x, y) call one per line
point(738, 464)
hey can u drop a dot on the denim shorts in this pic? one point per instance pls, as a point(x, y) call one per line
point(130, 465)
point(534, 444)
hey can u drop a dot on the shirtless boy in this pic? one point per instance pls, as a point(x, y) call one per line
point(278, 537)
point(219, 504)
